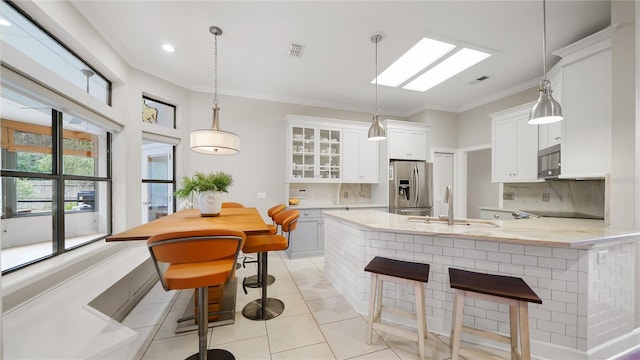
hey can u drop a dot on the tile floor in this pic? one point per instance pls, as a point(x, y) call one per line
point(318, 323)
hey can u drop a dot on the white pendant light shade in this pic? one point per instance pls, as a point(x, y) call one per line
point(546, 110)
point(215, 141)
point(376, 131)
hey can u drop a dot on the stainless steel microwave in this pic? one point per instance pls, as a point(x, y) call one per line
point(549, 162)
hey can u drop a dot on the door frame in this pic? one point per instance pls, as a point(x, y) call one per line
point(460, 211)
point(460, 169)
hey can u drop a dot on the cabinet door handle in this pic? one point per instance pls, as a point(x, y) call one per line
point(496, 216)
point(557, 138)
point(306, 213)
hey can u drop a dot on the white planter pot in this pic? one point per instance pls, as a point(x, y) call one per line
point(210, 203)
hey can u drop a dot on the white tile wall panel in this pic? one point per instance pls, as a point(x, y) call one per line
point(585, 302)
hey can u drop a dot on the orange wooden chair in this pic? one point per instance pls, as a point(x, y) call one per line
point(255, 281)
point(197, 259)
point(231, 204)
point(267, 308)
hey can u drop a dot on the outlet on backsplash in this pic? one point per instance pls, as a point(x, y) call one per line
point(508, 196)
point(546, 197)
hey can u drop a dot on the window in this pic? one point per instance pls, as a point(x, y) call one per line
point(55, 181)
point(158, 112)
point(29, 38)
point(158, 182)
point(55, 170)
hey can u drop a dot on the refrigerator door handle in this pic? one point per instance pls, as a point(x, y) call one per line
point(416, 177)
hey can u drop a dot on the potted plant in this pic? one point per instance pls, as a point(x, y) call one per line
point(208, 187)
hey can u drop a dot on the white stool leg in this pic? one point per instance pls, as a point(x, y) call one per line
point(372, 305)
point(456, 326)
point(418, 289)
point(513, 330)
point(523, 314)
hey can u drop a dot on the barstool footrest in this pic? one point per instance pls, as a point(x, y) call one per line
point(253, 310)
point(398, 331)
point(214, 354)
point(486, 334)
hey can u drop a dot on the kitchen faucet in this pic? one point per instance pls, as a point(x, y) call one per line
point(448, 199)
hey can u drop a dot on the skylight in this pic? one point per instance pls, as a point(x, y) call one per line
point(423, 55)
point(449, 67)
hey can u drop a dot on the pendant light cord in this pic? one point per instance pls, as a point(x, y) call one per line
point(377, 39)
point(544, 40)
point(215, 72)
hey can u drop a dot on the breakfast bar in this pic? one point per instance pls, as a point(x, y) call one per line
point(583, 271)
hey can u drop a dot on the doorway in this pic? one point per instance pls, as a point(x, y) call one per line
point(442, 176)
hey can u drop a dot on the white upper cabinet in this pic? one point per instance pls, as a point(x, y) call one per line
point(586, 128)
point(407, 141)
point(359, 157)
point(514, 150)
point(323, 150)
point(314, 153)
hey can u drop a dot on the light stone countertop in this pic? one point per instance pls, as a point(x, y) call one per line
point(545, 231)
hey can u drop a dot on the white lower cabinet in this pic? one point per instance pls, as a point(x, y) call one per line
point(307, 240)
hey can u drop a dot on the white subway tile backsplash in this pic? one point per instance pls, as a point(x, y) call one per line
point(512, 269)
point(432, 249)
point(475, 254)
point(537, 250)
point(455, 252)
point(487, 266)
point(564, 275)
point(570, 254)
point(538, 272)
point(552, 263)
point(511, 248)
point(487, 246)
point(404, 238)
point(387, 236)
point(499, 257)
point(443, 241)
point(464, 243)
point(424, 240)
point(524, 260)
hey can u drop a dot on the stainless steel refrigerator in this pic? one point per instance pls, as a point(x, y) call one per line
point(411, 187)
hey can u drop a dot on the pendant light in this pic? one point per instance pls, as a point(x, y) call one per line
point(215, 141)
point(546, 110)
point(376, 131)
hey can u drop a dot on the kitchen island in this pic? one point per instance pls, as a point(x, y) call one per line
point(583, 271)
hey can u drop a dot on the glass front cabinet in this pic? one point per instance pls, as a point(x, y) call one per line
point(314, 153)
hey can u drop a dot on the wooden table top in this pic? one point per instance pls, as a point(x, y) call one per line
point(247, 220)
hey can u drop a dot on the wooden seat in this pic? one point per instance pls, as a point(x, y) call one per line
point(255, 281)
point(196, 260)
point(405, 273)
point(231, 204)
point(267, 308)
point(509, 290)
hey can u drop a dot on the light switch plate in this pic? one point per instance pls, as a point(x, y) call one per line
point(262, 195)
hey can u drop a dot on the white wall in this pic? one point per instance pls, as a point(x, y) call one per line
point(624, 161)
point(443, 127)
point(480, 190)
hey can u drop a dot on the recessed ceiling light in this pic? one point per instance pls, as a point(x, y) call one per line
point(421, 55)
point(168, 48)
point(4, 22)
point(449, 67)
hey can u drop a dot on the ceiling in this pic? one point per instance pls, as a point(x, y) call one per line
point(338, 60)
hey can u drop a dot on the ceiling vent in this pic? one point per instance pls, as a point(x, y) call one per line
point(295, 50)
point(480, 79)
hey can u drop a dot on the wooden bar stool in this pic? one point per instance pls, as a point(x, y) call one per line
point(267, 308)
point(405, 273)
point(509, 290)
point(197, 259)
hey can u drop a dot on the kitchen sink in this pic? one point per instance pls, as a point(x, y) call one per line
point(456, 222)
